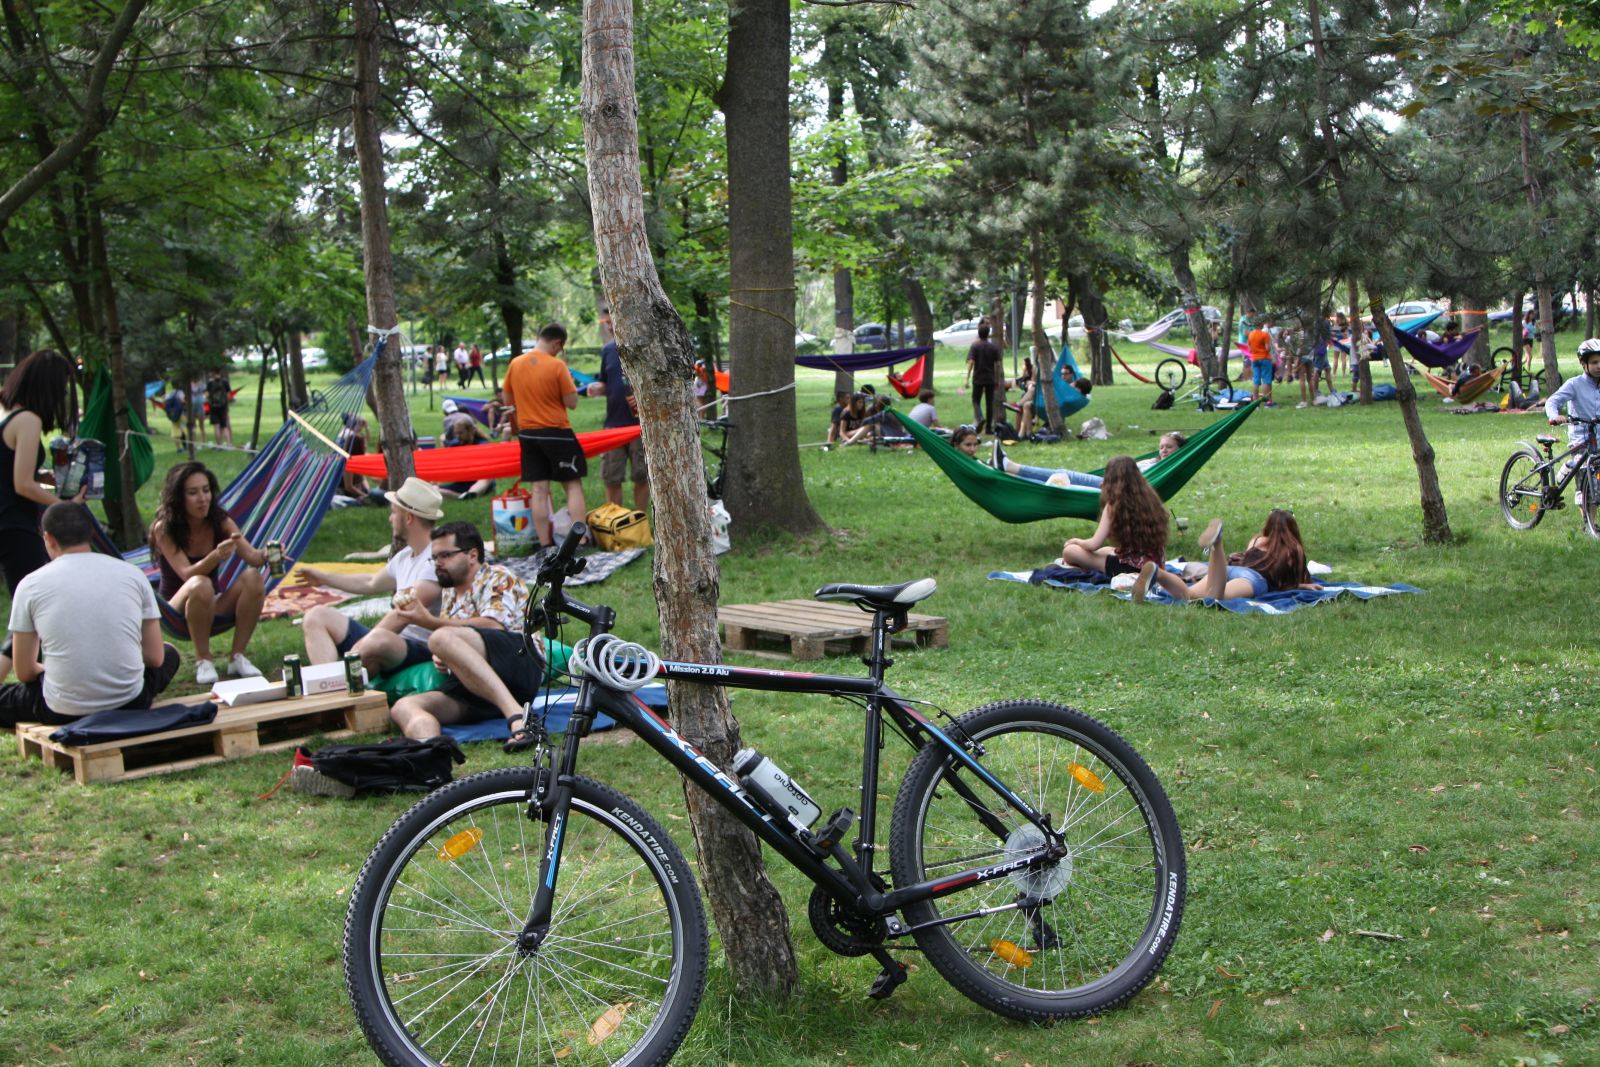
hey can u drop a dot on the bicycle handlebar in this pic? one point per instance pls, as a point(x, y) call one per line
point(555, 572)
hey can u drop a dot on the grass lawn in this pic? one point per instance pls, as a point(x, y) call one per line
point(1422, 766)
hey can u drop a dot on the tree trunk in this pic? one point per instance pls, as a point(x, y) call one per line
point(659, 359)
point(1095, 320)
point(261, 395)
point(132, 524)
point(1227, 333)
point(1518, 355)
point(1199, 328)
point(844, 297)
point(1044, 361)
point(1541, 225)
point(299, 396)
point(765, 490)
point(922, 318)
point(352, 333)
point(394, 417)
point(1435, 522)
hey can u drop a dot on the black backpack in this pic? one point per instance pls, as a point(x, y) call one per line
point(1163, 402)
point(400, 763)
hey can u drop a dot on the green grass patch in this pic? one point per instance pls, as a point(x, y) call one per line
point(1423, 766)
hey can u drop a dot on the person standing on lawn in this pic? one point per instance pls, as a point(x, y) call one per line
point(99, 660)
point(476, 639)
point(539, 385)
point(984, 368)
point(622, 409)
point(392, 644)
point(1260, 345)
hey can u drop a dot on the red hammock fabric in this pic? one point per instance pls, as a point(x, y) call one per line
point(909, 384)
point(724, 382)
point(503, 459)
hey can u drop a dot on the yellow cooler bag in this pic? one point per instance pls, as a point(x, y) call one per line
point(616, 528)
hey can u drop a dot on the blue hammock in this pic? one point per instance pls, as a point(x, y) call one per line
point(851, 362)
point(283, 494)
point(1068, 399)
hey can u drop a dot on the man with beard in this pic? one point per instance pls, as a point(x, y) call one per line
point(476, 639)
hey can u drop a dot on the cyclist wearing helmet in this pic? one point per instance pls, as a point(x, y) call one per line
point(1581, 395)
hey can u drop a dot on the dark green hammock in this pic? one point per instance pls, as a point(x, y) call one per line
point(1012, 499)
point(99, 423)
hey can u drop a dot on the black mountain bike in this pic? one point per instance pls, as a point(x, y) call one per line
point(1532, 484)
point(533, 915)
point(718, 452)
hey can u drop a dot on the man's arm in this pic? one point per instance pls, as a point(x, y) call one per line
point(151, 647)
point(417, 613)
point(426, 593)
point(364, 584)
point(25, 654)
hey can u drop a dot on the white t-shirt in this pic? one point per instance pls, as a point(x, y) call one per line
point(88, 610)
point(924, 413)
point(408, 568)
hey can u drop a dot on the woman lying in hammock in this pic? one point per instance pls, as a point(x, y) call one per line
point(1169, 443)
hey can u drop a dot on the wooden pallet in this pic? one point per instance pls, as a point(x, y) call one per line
point(811, 629)
point(234, 734)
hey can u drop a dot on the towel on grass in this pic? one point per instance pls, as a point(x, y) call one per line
point(1280, 603)
point(556, 704)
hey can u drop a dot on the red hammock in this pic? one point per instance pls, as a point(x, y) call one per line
point(724, 383)
point(1130, 370)
point(502, 459)
point(909, 384)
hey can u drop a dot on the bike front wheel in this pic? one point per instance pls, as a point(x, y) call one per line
point(431, 959)
point(1522, 489)
point(1064, 941)
point(1589, 490)
point(1170, 374)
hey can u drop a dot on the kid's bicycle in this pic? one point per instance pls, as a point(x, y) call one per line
point(535, 916)
point(1532, 483)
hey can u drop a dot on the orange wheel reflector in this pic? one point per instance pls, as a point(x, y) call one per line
point(1012, 953)
point(608, 1022)
point(1086, 778)
point(460, 844)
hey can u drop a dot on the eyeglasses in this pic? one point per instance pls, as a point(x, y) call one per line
point(447, 553)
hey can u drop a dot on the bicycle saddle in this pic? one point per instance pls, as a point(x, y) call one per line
point(880, 597)
point(1546, 438)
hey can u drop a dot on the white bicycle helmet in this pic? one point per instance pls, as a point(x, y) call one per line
point(1591, 347)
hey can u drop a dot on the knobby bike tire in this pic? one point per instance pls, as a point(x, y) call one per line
point(430, 957)
point(1170, 374)
point(1590, 488)
point(1110, 910)
point(1522, 489)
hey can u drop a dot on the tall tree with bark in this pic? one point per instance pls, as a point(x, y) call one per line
point(764, 487)
point(657, 353)
point(394, 417)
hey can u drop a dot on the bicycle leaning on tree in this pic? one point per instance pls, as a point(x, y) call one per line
point(533, 915)
point(1535, 479)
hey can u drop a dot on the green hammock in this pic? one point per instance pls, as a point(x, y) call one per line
point(99, 423)
point(1012, 499)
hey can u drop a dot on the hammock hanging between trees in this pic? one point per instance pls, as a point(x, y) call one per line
point(1437, 356)
point(1470, 390)
point(851, 362)
point(469, 463)
point(909, 384)
point(1068, 399)
point(284, 492)
point(1136, 375)
point(99, 423)
point(1012, 499)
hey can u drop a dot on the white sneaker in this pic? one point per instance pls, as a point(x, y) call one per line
point(240, 667)
point(1302, 404)
point(205, 672)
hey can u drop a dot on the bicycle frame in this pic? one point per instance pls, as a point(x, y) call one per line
point(854, 888)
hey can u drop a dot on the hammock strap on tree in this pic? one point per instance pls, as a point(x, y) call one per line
point(1012, 499)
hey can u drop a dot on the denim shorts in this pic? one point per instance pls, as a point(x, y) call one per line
point(1258, 584)
point(1261, 372)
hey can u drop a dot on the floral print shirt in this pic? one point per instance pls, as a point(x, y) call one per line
point(495, 593)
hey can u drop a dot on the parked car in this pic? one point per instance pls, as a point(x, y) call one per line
point(875, 335)
point(1177, 315)
point(1412, 308)
point(958, 334)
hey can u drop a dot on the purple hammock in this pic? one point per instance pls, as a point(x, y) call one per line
point(1443, 354)
point(855, 361)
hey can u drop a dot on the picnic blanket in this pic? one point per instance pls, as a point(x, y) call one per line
point(1280, 603)
point(556, 707)
point(290, 598)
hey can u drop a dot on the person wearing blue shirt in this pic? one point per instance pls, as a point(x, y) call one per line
point(622, 409)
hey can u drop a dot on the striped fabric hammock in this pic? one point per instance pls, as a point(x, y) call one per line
point(284, 492)
point(1012, 499)
point(1470, 390)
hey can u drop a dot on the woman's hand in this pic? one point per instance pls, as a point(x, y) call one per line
point(226, 547)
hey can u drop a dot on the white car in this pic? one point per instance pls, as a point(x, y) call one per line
point(957, 334)
point(1412, 308)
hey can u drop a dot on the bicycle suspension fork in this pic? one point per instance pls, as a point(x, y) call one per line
point(552, 799)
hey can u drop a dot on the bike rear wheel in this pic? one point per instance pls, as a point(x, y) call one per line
point(1590, 489)
point(430, 947)
point(1106, 916)
point(1170, 374)
point(1522, 489)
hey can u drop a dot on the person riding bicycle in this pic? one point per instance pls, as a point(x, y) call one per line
point(1580, 395)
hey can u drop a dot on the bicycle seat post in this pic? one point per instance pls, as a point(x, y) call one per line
point(877, 661)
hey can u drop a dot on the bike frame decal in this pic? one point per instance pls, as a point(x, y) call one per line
point(552, 856)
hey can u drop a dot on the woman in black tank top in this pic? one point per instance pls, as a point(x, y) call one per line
point(39, 397)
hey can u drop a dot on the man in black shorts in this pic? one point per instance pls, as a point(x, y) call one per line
point(477, 640)
point(539, 385)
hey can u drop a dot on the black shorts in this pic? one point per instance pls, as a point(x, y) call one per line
point(509, 660)
point(218, 414)
point(1115, 566)
point(552, 454)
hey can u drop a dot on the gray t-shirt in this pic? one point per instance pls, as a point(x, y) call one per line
point(89, 612)
point(925, 414)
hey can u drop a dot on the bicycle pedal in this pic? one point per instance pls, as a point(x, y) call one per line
point(833, 830)
point(892, 977)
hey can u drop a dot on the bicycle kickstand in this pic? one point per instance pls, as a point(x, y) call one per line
point(892, 976)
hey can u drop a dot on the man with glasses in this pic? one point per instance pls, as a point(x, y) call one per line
point(476, 639)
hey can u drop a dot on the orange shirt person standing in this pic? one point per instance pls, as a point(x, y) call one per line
point(1260, 344)
point(540, 387)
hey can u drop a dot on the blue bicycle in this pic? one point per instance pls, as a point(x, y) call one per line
point(537, 916)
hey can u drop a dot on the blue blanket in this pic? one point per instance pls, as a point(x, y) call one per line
point(1272, 604)
point(556, 704)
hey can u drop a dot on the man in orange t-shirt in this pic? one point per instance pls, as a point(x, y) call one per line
point(1260, 344)
point(540, 387)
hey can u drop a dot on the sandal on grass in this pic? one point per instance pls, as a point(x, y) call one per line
point(522, 738)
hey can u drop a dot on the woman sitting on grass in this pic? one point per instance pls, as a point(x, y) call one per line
point(191, 538)
point(1170, 443)
point(1132, 535)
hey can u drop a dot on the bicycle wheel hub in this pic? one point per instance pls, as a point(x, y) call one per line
point(1041, 883)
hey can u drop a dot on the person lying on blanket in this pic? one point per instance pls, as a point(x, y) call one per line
point(1061, 478)
point(393, 644)
point(1274, 561)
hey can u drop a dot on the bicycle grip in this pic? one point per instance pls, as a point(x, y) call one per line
point(569, 544)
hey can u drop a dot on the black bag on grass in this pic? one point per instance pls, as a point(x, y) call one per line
point(1163, 402)
point(399, 764)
